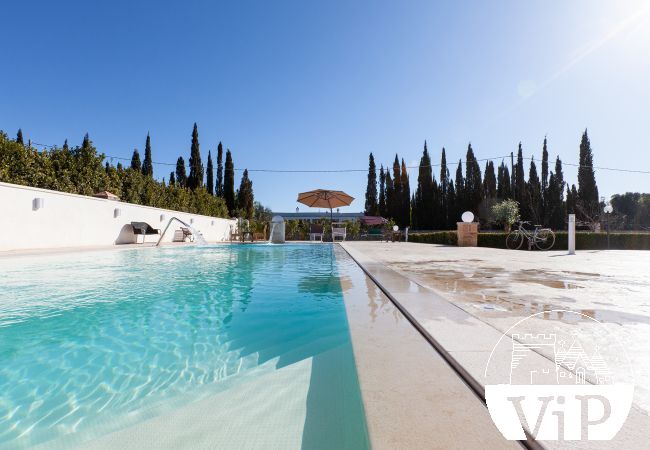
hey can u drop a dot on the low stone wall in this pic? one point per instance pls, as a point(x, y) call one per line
point(32, 218)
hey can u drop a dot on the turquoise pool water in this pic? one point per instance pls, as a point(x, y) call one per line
point(94, 343)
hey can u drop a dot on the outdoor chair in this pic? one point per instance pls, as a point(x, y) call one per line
point(338, 230)
point(187, 233)
point(234, 234)
point(260, 235)
point(315, 232)
point(144, 229)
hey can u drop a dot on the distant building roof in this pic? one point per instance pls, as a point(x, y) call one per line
point(315, 215)
point(107, 195)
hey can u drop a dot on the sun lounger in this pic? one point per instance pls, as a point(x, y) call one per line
point(315, 232)
point(144, 229)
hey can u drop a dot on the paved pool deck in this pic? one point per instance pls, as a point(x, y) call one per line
point(465, 299)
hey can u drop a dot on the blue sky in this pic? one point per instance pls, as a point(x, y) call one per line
point(319, 85)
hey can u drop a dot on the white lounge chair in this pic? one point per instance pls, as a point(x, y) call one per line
point(338, 230)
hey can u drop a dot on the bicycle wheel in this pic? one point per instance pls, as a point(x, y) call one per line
point(545, 239)
point(514, 240)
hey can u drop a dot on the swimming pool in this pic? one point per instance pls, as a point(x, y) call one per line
point(246, 345)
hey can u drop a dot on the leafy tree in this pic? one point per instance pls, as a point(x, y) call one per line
point(19, 137)
point(245, 200)
point(371, 188)
point(229, 184)
point(135, 161)
point(147, 167)
point(195, 179)
point(82, 170)
point(210, 175)
point(181, 175)
point(219, 186)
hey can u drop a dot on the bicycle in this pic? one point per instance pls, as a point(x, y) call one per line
point(542, 238)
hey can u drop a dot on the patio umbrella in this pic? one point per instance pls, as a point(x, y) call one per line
point(324, 198)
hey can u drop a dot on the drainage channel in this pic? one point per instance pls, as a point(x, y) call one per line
point(470, 381)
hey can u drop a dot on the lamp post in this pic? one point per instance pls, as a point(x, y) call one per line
point(608, 210)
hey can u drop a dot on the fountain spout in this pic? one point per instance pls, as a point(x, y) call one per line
point(199, 239)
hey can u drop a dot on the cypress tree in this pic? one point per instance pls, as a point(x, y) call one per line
point(210, 175)
point(172, 179)
point(490, 181)
point(473, 183)
point(135, 160)
point(371, 188)
point(219, 187)
point(229, 184)
point(444, 190)
point(65, 145)
point(587, 201)
point(520, 194)
point(181, 175)
point(544, 168)
point(504, 189)
point(534, 190)
point(405, 204)
point(382, 192)
point(459, 207)
point(555, 198)
point(423, 200)
point(390, 194)
point(452, 207)
point(86, 143)
point(245, 200)
point(394, 206)
point(195, 179)
point(571, 199)
point(19, 137)
point(147, 167)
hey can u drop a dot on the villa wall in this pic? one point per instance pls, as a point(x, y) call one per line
point(69, 220)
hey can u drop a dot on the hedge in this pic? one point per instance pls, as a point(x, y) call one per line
point(437, 237)
point(584, 240)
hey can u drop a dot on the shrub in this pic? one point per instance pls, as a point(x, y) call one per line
point(505, 213)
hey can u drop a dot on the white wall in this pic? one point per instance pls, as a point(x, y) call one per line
point(69, 220)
